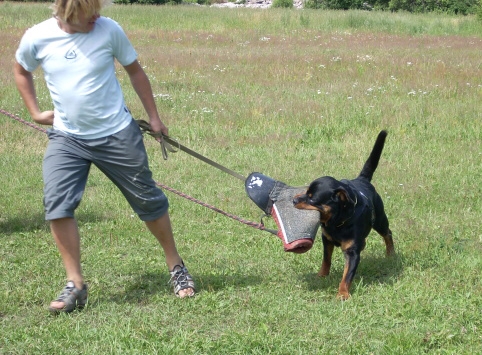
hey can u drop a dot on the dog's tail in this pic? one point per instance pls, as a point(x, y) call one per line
point(372, 161)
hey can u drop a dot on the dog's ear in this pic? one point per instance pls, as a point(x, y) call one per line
point(341, 194)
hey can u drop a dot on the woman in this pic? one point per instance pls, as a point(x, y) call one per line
point(76, 49)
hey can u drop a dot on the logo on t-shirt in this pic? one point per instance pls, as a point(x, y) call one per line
point(71, 54)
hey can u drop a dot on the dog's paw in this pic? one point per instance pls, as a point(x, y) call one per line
point(343, 296)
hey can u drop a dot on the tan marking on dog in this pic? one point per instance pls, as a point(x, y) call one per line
point(347, 244)
point(306, 206)
point(325, 214)
point(390, 248)
point(343, 289)
point(327, 236)
point(326, 263)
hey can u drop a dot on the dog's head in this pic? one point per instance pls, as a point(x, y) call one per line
point(332, 198)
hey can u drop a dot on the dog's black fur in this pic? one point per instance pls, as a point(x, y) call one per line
point(349, 209)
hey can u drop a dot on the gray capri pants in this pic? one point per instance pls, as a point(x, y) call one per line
point(121, 157)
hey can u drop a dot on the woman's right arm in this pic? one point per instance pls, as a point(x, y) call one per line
point(25, 85)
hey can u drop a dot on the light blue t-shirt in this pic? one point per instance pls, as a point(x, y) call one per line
point(80, 74)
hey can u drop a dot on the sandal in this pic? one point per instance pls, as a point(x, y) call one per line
point(72, 298)
point(181, 280)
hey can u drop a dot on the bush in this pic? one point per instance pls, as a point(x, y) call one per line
point(458, 7)
point(282, 3)
point(148, 2)
point(337, 4)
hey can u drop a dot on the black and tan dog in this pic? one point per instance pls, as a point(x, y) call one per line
point(349, 209)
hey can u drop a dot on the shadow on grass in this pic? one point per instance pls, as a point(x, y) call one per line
point(373, 270)
point(146, 285)
point(23, 224)
point(35, 222)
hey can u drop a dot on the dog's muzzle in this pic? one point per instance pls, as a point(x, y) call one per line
point(296, 228)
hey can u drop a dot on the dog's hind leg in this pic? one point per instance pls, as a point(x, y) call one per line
point(386, 234)
point(387, 237)
point(381, 226)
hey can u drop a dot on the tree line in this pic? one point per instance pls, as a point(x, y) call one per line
point(457, 7)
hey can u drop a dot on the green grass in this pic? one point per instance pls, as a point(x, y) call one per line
point(294, 95)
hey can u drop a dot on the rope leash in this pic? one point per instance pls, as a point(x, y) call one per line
point(167, 147)
point(21, 120)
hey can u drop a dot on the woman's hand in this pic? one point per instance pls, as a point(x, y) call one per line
point(158, 126)
point(44, 118)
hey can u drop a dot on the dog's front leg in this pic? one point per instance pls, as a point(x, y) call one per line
point(328, 247)
point(352, 259)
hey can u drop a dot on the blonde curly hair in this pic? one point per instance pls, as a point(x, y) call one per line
point(68, 10)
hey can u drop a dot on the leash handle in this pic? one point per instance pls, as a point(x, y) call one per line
point(165, 147)
point(146, 128)
point(167, 144)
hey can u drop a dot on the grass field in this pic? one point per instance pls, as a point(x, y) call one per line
point(294, 95)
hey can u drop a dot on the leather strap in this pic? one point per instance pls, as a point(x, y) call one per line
point(173, 146)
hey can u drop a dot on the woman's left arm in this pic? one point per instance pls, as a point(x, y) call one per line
point(141, 84)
